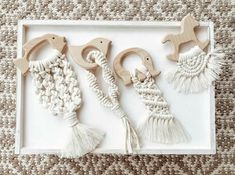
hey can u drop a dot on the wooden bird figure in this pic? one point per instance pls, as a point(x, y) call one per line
point(78, 52)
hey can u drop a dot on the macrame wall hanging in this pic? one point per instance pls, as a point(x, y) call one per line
point(160, 125)
point(97, 58)
point(196, 69)
point(57, 87)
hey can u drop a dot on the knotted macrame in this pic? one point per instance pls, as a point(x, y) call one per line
point(160, 125)
point(195, 70)
point(112, 99)
point(57, 88)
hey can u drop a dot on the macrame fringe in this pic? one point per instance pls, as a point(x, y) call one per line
point(132, 141)
point(82, 138)
point(163, 130)
point(160, 126)
point(131, 138)
point(196, 70)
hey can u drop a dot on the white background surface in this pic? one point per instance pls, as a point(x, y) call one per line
point(45, 132)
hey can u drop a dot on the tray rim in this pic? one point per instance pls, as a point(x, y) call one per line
point(22, 29)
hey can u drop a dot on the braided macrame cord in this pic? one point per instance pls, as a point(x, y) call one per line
point(160, 125)
point(196, 70)
point(57, 88)
point(112, 99)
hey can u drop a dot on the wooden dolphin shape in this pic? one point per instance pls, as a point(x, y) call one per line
point(55, 41)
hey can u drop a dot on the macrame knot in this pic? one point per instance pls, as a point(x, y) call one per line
point(118, 111)
point(71, 119)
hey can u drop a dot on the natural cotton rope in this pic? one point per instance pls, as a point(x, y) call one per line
point(112, 99)
point(57, 88)
point(160, 126)
point(195, 70)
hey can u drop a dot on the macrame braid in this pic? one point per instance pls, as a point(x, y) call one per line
point(161, 126)
point(112, 99)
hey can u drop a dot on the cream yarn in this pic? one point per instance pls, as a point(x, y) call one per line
point(57, 88)
point(160, 126)
point(112, 99)
point(195, 70)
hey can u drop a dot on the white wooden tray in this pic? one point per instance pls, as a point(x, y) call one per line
point(37, 131)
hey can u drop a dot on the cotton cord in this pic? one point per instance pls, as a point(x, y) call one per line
point(112, 99)
point(160, 125)
point(71, 119)
point(196, 70)
point(57, 88)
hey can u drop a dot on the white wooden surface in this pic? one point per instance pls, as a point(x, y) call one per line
point(37, 131)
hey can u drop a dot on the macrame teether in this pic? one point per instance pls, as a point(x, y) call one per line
point(195, 70)
point(112, 99)
point(160, 126)
point(57, 89)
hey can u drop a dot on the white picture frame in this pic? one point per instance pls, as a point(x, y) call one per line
point(24, 25)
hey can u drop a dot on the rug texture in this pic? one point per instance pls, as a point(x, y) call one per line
point(220, 12)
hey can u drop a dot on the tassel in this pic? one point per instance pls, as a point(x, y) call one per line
point(160, 125)
point(195, 70)
point(82, 139)
point(131, 138)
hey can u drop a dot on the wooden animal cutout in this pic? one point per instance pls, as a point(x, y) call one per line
point(78, 52)
point(55, 41)
point(124, 74)
point(187, 34)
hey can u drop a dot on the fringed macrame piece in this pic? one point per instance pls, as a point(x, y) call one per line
point(57, 88)
point(195, 70)
point(112, 99)
point(160, 126)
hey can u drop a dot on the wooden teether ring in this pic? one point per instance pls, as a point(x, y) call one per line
point(55, 41)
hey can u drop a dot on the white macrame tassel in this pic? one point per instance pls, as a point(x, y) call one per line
point(57, 88)
point(160, 125)
point(82, 139)
point(111, 101)
point(195, 70)
point(131, 137)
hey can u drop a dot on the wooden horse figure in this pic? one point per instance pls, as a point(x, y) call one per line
point(77, 52)
point(187, 34)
